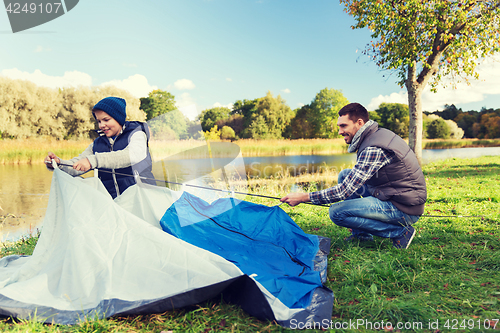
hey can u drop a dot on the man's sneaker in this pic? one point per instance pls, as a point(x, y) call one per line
point(403, 241)
point(361, 238)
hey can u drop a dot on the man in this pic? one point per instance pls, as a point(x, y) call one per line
point(384, 193)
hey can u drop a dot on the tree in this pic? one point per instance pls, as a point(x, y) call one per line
point(227, 133)
point(27, 110)
point(490, 123)
point(466, 121)
point(302, 124)
point(235, 121)
point(325, 112)
point(450, 112)
point(172, 125)
point(395, 117)
point(264, 118)
point(157, 103)
point(213, 134)
point(455, 131)
point(210, 117)
point(276, 115)
point(373, 115)
point(438, 129)
point(425, 41)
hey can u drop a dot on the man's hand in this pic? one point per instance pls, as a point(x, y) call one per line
point(82, 165)
point(293, 199)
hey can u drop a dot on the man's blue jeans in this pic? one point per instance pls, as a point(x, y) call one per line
point(367, 215)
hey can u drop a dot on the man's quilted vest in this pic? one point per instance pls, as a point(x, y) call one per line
point(117, 181)
point(402, 181)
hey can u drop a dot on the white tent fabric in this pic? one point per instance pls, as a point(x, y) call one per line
point(98, 257)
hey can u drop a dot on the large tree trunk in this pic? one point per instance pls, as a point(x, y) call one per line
point(415, 106)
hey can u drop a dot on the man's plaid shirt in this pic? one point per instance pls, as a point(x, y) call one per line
point(368, 163)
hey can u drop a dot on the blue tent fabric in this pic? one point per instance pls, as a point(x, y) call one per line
point(264, 242)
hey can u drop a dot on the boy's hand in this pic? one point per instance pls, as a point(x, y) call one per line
point(82, 165)
point(48, 159)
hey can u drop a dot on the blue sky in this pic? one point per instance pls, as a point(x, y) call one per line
point(214, 52)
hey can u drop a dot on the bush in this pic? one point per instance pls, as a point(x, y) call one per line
point(438, 129)
point(227, 133)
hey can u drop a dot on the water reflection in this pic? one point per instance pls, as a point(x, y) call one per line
point(24, 193)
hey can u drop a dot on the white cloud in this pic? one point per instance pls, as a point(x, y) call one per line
point(218, 105)
point(476, 91)
point(228, 79)
point(69, 79)
point(400, 97)
point(186, 104)
point(184, 84)
point(286, 91)
point(129, 65)
point(136, 84)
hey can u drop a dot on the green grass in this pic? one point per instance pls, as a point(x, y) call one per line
point(450, 272)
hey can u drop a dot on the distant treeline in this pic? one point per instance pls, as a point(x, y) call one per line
point(484, 124)
point(27, 110)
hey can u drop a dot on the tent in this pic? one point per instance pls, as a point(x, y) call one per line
point(147, 252)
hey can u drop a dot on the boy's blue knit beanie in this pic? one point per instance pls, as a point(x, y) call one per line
point(114, 106)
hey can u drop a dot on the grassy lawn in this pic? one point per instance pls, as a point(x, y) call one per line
point(448, 280)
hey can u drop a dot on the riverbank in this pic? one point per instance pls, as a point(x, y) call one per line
point(32, 151)
point(447, 278)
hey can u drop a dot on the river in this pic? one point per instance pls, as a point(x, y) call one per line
point(24, 189)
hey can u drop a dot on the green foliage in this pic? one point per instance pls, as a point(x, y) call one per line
point(325, 111)
point(455, 131)
point(172, 125)
point(302, 126)
point(157, 103)
point(425, 41)
point(209, 117)
point(213, 134)
point(30, 111)
point(27, 110)
point(373, 115)
point(488, 128)
point(236, 122)
point(319, 119)
point(395, 117)
point(276, 114)
point(441, 37)
point(264, 118)
point(246, 108)
point(227, 133)
point(258, 128)
point(466, 121)
point(438, 129)
point(450, 112)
